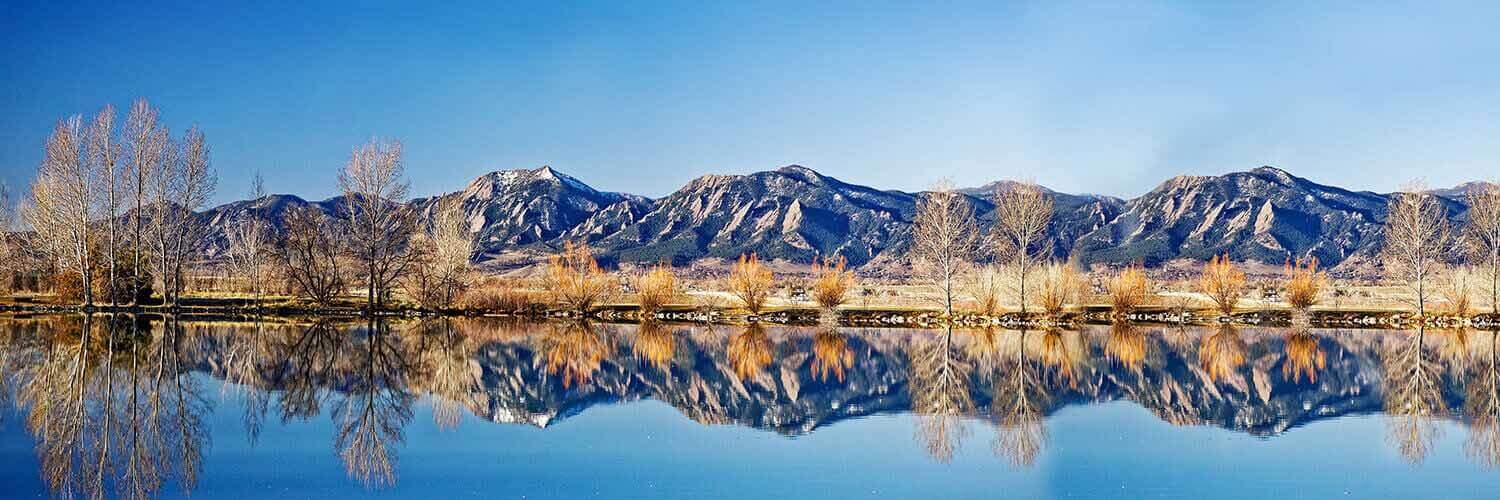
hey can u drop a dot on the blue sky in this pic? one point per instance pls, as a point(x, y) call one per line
point(1108, 97)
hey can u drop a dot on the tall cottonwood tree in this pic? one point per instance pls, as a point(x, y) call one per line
point(146, 143)
point(61, 206)
point(1482, 237)
point(1417, 238)
point(1023, 212)
point(180, 188)
point(103, 154)
point(380, 227)
point(944, 240)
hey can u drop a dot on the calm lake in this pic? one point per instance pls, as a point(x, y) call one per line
point(136, 407)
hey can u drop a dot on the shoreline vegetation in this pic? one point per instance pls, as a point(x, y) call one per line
point(108, 225)
point(796, 315)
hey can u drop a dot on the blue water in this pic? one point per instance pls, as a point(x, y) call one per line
point(646, 448)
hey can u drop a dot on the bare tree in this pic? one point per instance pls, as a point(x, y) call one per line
point(1416, 238)
point(61, 205)
point(1023, 211)
point(180, 188)
point(1482, 237)
point(103, 154)
point(250, 242)
point(146, 148)
point(944, 240)
point(380, 228)
point(309, 253)
point(441, 270)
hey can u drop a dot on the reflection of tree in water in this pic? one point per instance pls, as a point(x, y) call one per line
point(831, 354)
point(749, 351)
point(1482, 404)
point(1453, 351)
point(1413, 396)
point(314, 359)
point(372, 413)
point(940, 396)
point(1126, 345)
point(1222, 352)
point(112, 409)
point(247, 356)
point(371, 366)
point(1020, 398)
point(574, 350)
point(655, 343)
point(1304, 357)
point(443, 368)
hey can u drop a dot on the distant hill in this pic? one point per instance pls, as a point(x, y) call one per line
point(796, 214)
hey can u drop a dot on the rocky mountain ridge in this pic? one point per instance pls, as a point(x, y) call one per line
point(798, 215)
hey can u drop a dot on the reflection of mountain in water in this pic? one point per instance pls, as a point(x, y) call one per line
point(1258, 394)
point(81, 382)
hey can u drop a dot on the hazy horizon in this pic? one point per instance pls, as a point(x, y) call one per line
point(1093, 98)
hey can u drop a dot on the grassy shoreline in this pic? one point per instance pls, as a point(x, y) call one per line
point(848, 316)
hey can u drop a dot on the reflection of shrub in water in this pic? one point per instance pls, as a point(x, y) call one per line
point(749, 351)
point(1062, 355)
point(831, 354)
point(575, 351)
point(1304, 357)
point(655, 344)
point(1126, 345)
point(1222, 353)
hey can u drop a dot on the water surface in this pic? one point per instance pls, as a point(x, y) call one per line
point(166, 407)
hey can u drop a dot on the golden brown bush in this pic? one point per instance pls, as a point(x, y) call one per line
point(987, 286)
point(1304, 283)
point(831, 283)
point(575, 281)
point(1458, 290)
point(1223, 283)
point(1128, 290)
point(751, 281)
point(498, 295)
point(1059, 287)
point(656, 288)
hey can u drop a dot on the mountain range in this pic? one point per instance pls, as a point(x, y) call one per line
point(796, 214)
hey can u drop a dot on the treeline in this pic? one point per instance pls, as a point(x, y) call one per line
point(112, 219)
